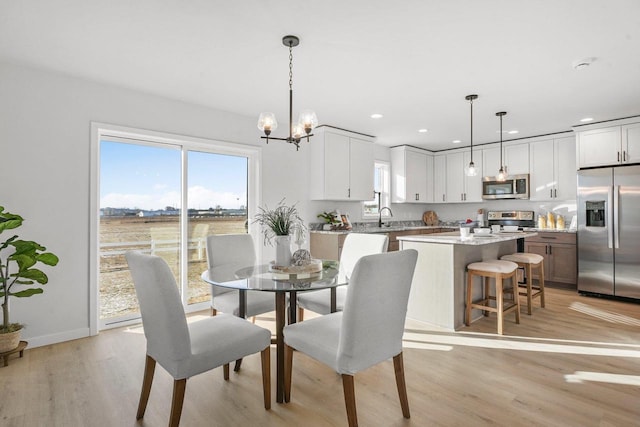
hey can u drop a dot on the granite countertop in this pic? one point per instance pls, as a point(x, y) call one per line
point(383, 229)
point(473, 239)
point(551, 230)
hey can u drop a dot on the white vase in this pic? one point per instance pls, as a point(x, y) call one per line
point(283, 251)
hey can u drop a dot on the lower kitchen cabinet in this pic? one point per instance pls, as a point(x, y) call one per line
point(329, 245)
point(560, 255)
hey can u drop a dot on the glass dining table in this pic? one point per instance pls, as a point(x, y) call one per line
point(262, 278)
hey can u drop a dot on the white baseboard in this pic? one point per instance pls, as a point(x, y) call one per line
point(57, 338)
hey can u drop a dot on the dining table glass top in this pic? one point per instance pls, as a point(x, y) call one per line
point(263, 278)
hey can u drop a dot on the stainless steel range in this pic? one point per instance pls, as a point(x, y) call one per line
point(523, 219)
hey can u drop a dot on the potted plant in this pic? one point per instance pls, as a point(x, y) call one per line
point(279, 224)
point(331, 219)
point(18, 273)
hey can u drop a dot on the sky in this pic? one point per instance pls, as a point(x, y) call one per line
point(148, 177)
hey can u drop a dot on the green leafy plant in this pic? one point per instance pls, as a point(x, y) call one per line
point(329, 217)
point(282, 221)
point(18, 259)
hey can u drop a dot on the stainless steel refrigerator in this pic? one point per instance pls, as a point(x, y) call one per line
point(609, 231)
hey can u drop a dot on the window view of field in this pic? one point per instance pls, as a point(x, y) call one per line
point(158, 235)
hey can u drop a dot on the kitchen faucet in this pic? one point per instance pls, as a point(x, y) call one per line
point(380, 209)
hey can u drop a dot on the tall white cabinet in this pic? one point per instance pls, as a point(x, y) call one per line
point(411, 175)
point(341, 165)
point(553, 169)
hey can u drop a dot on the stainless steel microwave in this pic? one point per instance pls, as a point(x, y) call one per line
point(513, 187)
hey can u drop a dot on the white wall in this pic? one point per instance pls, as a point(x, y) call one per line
point(45, 121)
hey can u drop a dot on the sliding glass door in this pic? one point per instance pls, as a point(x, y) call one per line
point(163, 199)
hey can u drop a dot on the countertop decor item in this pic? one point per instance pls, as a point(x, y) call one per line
point(430, 218)
point(279, 224)
point(18, 275)
point(308, 120)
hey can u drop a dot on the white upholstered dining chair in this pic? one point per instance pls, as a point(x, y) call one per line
point(368, 331)
point(187, 349)
point(227, 253)
point(356, 245)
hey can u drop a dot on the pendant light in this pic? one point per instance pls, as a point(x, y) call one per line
point(502, 173)
point(267, 121)
point(471, 170)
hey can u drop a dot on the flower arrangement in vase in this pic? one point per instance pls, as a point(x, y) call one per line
point(278, 225)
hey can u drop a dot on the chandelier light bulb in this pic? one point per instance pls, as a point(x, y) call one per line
point(471, 170)
point(308, 120)
point(501, 175)
point(267, 122)
point(297, 131)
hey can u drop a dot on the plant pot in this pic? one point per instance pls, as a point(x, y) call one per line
point(9, 341)
point(283, 251)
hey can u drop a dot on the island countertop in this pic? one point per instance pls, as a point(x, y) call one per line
point(473, 239)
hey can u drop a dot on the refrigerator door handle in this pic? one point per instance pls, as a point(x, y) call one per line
point(609, 219)
point(616, 220)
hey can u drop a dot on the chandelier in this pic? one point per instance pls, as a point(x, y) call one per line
point(307, 121)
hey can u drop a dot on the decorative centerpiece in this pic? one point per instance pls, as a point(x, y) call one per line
point(278, 225)
point(17, 274)
point(331, 220)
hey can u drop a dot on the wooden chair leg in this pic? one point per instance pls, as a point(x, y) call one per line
point(398, 366)
point(300, 314)
point(485, 296)
point(149, 369)
point(499, 303)
point(541, 283)
point(176, 402)
point(288, 368)
point(265, 358)
point(516, 296)
point(350, 399)
point(529, 289)
point(225, 370)
point(467, 312)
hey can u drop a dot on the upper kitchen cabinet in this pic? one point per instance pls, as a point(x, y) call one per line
point(515, 157)
point(341, 165)
point(440, 178)
point(608, 146)
point(459, 186)
point(411, 175)
point(553, 169)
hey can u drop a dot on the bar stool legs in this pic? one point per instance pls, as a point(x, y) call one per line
point(499, 271)
point(528, 262)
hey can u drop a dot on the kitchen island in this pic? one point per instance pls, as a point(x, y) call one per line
point(438, 289)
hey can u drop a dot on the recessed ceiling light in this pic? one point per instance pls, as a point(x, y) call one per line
point(512, 132)
point(456, 141)
point(586, 119)
point(581, 64)
point(376, 116)
point(423, 130)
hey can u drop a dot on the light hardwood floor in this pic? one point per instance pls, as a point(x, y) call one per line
point(575, 363)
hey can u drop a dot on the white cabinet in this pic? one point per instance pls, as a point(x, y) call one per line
point(515, 157)
point(553, 169)
point(440, 179)
point(599, 147)
point(631, 143)
point(411, 175)
point(341, 166)
point(473, 184)
point(610, 146)
point(451, 183)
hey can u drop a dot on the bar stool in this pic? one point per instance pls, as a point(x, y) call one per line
point(498, 270)
point(528, 262)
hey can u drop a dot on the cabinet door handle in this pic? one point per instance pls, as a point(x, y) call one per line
point(624, 156)
point(443, 197)
point(618, 156)
point(349, 193)
point(417, 196)
point(550, 247)
point(551, 193)
point(555, 193)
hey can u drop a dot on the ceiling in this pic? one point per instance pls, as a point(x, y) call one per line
point(412, 61)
